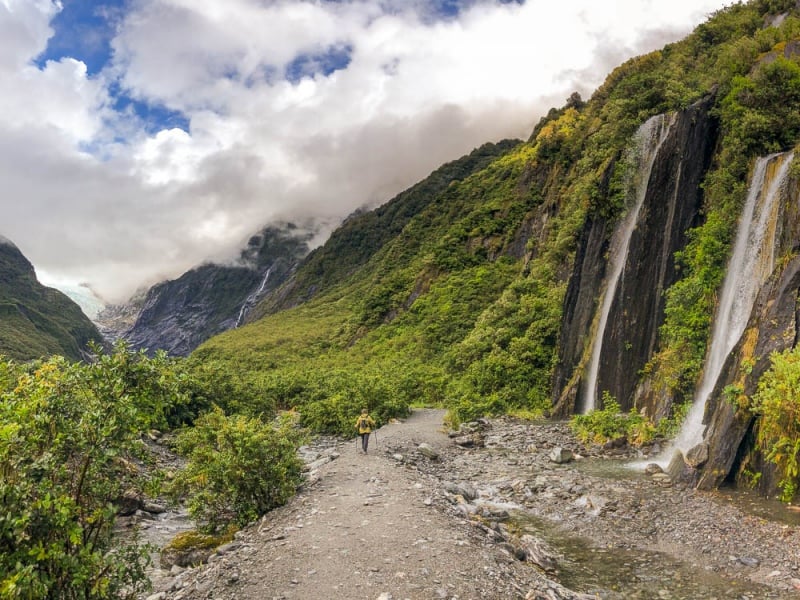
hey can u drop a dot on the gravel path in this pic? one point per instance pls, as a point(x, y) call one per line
point(497, 520)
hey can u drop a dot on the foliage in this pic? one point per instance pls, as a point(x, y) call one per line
point(602, 425)
point(777, 403)
point(69, 443)
point(238, 468)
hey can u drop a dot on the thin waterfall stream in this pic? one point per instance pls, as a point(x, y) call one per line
point(649, 138)
point(251, 299)
point(749, 267)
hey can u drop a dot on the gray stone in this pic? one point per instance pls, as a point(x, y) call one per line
point(697, 456)
point(749, 561)
point(427, 451)
point(653, 468)
point(561, 455)
point(154, 508)
point(465, 490)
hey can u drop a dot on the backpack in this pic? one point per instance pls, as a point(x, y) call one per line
point(363, 423)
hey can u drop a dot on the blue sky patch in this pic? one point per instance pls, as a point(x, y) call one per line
point(333, 59)
point(155, 117)
point(83, 31)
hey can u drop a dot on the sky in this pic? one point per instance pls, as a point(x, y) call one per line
point(139, 138)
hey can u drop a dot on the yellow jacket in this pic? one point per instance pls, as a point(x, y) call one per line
point(364, 424)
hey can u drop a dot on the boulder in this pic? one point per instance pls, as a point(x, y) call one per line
point(697, 456)
point(561, 455)
point(427, 451)
point(653, 468)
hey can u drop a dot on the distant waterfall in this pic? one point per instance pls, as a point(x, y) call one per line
point(649, 138)
point(251, 299)
point(750, 266)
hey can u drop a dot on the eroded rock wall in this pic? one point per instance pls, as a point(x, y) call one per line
point(671, 207)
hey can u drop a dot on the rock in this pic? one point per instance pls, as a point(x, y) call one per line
point(465, 490)
point(230, 547)
point(749, 561)
point(158, 596)
point(385, 596)
point(560, 455)
point(536, 551)
point(697, 456)
point(154, 508)
point(473, 440)
point(427, 451)
point(616, 443)
point(653, 468)
point(679, 471)
point(129, 503)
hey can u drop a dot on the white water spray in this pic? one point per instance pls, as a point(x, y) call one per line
point(251, 299)
point(649, 138)
point(750, 266)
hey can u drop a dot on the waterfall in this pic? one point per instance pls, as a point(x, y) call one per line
point(649, 138)
point(749, 267)
point(251, 299)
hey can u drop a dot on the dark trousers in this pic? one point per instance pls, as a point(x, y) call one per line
point(364, 441)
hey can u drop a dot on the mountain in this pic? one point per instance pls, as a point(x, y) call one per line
point(35, 320)
point(178, 315)
point(641, 246)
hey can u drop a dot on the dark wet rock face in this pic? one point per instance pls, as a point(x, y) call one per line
point(772, 327)
point(670, 208)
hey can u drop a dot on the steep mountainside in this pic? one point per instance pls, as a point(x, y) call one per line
point(36, 320)
point(178, 315)
point(590, 263)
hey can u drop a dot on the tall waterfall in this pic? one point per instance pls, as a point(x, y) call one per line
point(649, 138)
point(750, 266)
point(251, 299)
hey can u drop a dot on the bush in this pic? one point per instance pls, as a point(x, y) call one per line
point(69, 443)
point(238, 468)
point(600, 426)
point(777, 403)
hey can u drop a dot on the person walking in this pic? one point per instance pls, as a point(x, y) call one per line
point(364, 425)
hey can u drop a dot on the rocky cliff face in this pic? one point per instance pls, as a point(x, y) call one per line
point(35, 320)
point(179, 315)
point(629, 334)
point(772, 326)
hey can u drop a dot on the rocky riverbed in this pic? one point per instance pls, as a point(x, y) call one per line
point(504, 509)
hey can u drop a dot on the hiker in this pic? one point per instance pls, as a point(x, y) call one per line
point(364, 424)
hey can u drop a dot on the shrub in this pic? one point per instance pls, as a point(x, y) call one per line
point(69, 440)
point(608, 423)
point(777, 403)
point(238, 468)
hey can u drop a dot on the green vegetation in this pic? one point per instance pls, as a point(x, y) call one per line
point(37, 321)
point(69, 446)
point(777, 403)
point(238, 469)
point(609, 423)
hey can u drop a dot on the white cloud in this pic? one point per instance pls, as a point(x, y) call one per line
point(90, 195)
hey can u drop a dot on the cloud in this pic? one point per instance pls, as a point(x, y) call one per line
point(295, 110)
